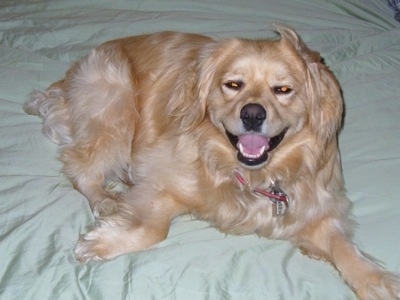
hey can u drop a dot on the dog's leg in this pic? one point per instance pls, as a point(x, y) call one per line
point(100, 95)
point(328, 239)
point(101, 201)
point(100, 154)
point(142, 220)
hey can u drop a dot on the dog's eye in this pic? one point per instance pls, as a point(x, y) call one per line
point(282, 90)
point(235, 85)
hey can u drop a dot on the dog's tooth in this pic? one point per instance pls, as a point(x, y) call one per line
point(261, 151)
point(241, 149)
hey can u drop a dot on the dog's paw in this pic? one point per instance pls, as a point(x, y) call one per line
point(105, 207)
point(114, 235)
point(88, 248)
point(96, 245)
point(382, 285)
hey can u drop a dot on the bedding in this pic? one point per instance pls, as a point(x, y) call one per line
point(42, 216)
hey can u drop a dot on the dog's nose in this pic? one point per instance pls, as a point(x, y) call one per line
point(253, 115)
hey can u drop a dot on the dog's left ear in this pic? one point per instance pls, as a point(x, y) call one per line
point(190, 105)
point(325, 99)
point(190, 102)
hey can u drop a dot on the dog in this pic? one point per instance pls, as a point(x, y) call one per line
point(240, 133)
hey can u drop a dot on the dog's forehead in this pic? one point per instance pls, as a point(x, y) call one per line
point(265, 63)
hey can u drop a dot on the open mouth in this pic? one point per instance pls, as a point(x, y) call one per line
point(253, 148)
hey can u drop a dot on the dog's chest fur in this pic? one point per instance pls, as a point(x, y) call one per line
point(193, 173)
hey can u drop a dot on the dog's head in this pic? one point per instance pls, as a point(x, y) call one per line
point(261, 93)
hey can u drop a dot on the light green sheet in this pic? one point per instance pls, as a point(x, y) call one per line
point(41, 215)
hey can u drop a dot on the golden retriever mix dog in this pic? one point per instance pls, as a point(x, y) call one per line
point(241, 133)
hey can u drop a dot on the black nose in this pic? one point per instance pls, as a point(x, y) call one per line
point(253, 115)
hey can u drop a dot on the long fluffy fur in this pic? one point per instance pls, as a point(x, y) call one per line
point(152, 111)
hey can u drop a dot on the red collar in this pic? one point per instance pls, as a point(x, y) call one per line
point(276, 195)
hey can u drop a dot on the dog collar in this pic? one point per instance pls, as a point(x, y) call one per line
point(277, 197)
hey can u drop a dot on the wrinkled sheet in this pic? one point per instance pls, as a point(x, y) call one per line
point(41, 215)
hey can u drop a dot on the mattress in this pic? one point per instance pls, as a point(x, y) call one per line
point(42, 216)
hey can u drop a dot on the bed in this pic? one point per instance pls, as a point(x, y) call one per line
point(42, 216)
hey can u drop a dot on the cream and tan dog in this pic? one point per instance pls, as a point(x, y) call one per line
point(241, 133)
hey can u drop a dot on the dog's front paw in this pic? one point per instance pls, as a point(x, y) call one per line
point(96, 245)
point(379, 286)
point(88, 248)
point(113, 236)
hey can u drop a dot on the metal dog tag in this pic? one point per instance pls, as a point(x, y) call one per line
point(279, 207)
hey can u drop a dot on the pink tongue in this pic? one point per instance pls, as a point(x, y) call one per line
point(252, 143)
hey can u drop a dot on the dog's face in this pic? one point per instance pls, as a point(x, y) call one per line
point(262, 93)
point(259, 100)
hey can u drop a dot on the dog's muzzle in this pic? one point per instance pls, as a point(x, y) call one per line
point(253, 148)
